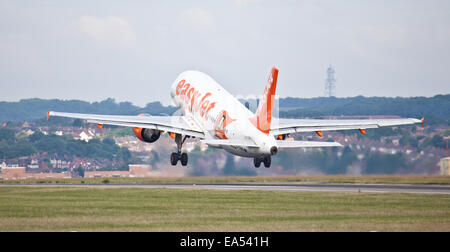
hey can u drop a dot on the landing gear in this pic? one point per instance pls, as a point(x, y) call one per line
point(184, 159)
point(175, 156)
point(267, 160)
point(257, 162)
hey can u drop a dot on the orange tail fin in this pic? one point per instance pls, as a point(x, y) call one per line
point(263, 114)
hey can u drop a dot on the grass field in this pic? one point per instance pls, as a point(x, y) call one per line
point(140, 209)
point(365, 179)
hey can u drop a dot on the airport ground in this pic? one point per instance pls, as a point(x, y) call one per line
point(99, 207)
point(349, 179)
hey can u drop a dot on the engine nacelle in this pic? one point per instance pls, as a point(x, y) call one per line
point(147, 135)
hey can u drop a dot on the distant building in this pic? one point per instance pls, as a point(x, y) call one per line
point(44, 175)
point(106, 174)
point(445, 166)
point(139, 170)
point(34, 164)
point(12, 173)
point(28, 132)
point(84, 136)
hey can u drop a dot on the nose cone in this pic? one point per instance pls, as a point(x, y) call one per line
point(273, 150)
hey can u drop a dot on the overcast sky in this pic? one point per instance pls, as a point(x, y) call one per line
point(134, 50)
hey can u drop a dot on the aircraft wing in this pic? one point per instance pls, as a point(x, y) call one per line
point(286, 126)
point(177, 124)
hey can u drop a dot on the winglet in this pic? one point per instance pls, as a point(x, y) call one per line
point(48, 114)
point(421, 121)
point(263, 114)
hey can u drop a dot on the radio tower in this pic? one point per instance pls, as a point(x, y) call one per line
point(330, 82)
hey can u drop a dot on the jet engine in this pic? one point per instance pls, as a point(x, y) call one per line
point(147, 135)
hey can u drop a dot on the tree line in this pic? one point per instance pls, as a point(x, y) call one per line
point(36, 109)
point(14, 147)
point(434, 109)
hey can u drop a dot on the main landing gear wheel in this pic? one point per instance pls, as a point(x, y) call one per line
point(184, 159)
point(175, 156)
point(257, 162)
point(267, 160)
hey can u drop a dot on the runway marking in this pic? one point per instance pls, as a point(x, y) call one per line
point(310, 187)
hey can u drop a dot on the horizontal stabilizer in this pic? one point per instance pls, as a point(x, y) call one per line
point(280, 143)
point(306, 144)
point(229, 142)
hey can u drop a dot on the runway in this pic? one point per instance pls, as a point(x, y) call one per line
point(297, 187)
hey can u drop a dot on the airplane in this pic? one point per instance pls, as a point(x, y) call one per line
point(219, 120)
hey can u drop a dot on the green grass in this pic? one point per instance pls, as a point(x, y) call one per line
point(371, 179)
point(141, 209)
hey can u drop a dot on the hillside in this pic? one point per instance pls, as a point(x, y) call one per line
point(434, 109)
point(34, 109)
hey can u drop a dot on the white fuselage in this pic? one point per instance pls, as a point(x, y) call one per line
point(218, 113)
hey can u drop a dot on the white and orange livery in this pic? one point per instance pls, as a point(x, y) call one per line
point(220, 120)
